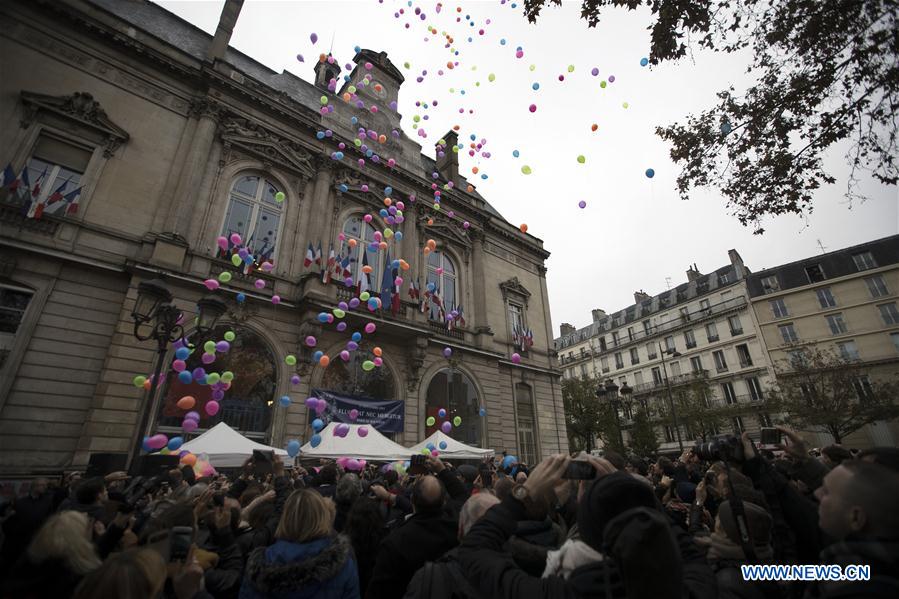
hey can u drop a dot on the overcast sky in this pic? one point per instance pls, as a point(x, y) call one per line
point(635, 232)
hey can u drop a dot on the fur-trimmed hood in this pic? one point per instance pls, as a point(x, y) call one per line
point(298, 569)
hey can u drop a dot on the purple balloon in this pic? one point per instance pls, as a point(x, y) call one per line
point(446, 427)
point(199, 374)
point(189, 426)
point(218, 395)
point(295, 379)
point(222, 346)
point(192, 416)
point(341, 326)
point(311, 402)
point(342, 306)
point(352, 345)
point(345, 355)
point(354, 303)
point(208, 358)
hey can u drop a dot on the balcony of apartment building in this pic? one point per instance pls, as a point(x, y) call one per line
point(676, 381)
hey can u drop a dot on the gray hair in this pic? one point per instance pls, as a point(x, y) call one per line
point(474, 509)
point(349, 487)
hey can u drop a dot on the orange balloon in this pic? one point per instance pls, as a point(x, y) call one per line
point(147, 384)
point(470, 188)
point(427, 250)
point(388, 201)
point(189, 459)
point(404, 265)
point(524, 228)
point(324, 361)
point(594, 127)
point(474, 170)
point(378, 88)
point(382, 139)
point(432, 244)
point(382, 245)
point(366, 269)
point(456, 127)
point(377, 351)
point(430, 221)
point(351, 243)
point(346, 96)
point(186, 402)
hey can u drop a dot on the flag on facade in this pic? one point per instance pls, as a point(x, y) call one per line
point(57, 195)
point(386, 283)
point(395, 297)
point(10, 181)
point(345, 265)
point(460, 319)
point(36, 208)
point(528, 339)
point(318, 255)
point(425, 305)
point(326, 272)
point(310, 256)
point(414, 291)
point(71, 199)
point(364, 280)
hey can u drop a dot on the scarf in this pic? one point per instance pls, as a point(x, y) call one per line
point(571, 555)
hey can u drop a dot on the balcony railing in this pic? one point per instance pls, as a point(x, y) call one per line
point(745, 363)
point(691, 345)
point(713, 338)
point(680, 379)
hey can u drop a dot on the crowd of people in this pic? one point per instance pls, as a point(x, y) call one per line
point(582, 526)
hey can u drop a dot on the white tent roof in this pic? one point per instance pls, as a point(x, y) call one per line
point(225, 447)
point(454, 449)
point(373, 446)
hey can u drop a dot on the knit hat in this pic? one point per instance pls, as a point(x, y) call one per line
point(758, 521)
point(686, 491)
point(606, 498)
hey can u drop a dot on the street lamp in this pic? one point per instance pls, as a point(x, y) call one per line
point(610, 392)
point(674, 354)
point(154, 308)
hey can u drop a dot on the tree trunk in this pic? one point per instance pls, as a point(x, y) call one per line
point(837, 437)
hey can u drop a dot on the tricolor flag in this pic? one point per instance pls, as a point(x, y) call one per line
point(35, 208)
point(415, 290)
point(364, 283)
point(310, 256)
point(326, 272)
point(71, 199)
point(460, 319)
point(318, 255)
point(10, 181)
point(345, 265)
point(57, 196)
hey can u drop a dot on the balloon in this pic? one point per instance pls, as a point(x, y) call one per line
point(318, 424)
point(259, 284)
point(352, 345)
point(211, 284)
point(447, 352)
point(227, 376)
point(377, 351)
point(241, 298)
point(212, 408)
point(293, 448)
point(441, 413)
point(276, 299)
point(515, 153)
point(644, 62)
point(236, 260)
point(189, 425)
point(509, 460)
point(175, 443)
point(582, 204)
point(581, 159)
point(430, 421)
point(345, 356)
point(139, 380)
point(357, 337)
point(364, 296)
point(353, 414)
point(290, 360)
point(526, 170)
point(370, 328)
point(594, 127)
point(523, 228)
point(195, 416)
point(209, 347)
point(442, 445)
point(726, 128)
point(279, 197)
point(516, 359)
point(341, 326)
point(267, 266)
point(313, 38)
point(222, 243)
point(157, 441)
point(650, 173)
point(338, 313)
point(532, 108)
point(185, 377)
point(284, 401)
point(378, 361)
point(182, 353)
point(235, 239)
point(230, 336)
point(446, 427)
point(457, 421)
point(186, 402)
point(316, 440)
point(363, 432)
point(189, 459)
point(368, 365)
point(482, 412)
point(222, 346)
point(206, 358)
point(324, 361)
point(225, 277)
point(295, 379)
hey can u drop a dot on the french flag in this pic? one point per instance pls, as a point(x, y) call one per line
point(310, 256)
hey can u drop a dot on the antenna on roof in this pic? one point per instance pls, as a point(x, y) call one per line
point(822, 246)
point(668, 282)
point(331, 47)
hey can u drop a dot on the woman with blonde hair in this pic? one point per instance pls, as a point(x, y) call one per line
point(136, 574)
point(307, 559)
point(59, 556)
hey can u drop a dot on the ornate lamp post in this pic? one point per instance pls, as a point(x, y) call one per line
point(154, 309)
point(611, 393)
point(674, 354)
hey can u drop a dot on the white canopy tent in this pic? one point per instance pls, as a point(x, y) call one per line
point(226, 448)
point(374, 446)
point(454, 449)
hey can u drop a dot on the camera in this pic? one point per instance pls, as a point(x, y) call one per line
point(727, 448)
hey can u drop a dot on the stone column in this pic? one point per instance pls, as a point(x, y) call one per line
point(296, 238)
point(411, 244)
point(481, 323)
point(197, 160)
point(317, 227)
point(168, 191)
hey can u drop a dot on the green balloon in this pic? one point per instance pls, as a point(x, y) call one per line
point(230, 336)
point(291, 360)
point(338, 313)
point(581, 159)
point(324, 100)
point(139, 380)
point(526, 170)
point(279, 197)
point(236, 260)
point(457, 420)
point(430, 421)
point(227, 376)
point(225, 277)
point(209, 346)
point(213, 377)
point(368, 365)
point(364, 296)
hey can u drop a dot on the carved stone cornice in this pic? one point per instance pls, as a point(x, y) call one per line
point(205, 107)
point(79, 107)
point(267, 145)
point(444, 231)
point(513, 287)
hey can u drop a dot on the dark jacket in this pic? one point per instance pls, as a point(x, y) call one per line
point(224, 580)
point(323, 569)
point(50, 579)
point(420, 539)
point(441, 579)
point(883, 557)
point(732, 586)
point(531, 541)
point(30, 514)
point(494, 573)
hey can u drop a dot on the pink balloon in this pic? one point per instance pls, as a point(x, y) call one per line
point(207, 358)
point(353, 414)
point(345, 356)
point(179, 365)
point(157, 441)
point(516, 359)
point(211, 284)
point(212, 408)
point(363, 432)
point(259, 284)
point(235, 239)
point(223, 243)
point(370, 328)
point(267, 266)
point(378, 361)
point(189, 425)
point(276, 299)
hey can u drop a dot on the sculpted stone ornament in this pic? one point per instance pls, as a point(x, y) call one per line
point(79, 107)
point(255, 139)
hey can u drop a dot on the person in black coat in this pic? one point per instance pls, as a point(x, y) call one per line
point(30, 512)
point(430, 532)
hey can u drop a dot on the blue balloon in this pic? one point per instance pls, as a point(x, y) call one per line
point(431, 287)
point(395, 264)
point(644, 62)
point(398, 235)
point(443, 445)
point(535, 87)
point(441, 413)
point(323, 317)
point(482, 412)
point(317, 356)
point(320, 135)
point(344, 188)
point(293, 448)
point(383, 213)
point(726, 128)
point(182, 353)
point(650, 173)
point(316, 440)
point(509, 460)
point(241, 298)
point(357, 337)
point(175, 443)
point(185, 377)
point(431, 446)
point(515, 153)
point(388, 190)
point(285, 401)
point(144, 445)
point(318, 424)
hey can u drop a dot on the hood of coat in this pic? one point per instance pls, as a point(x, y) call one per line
point(287, 566)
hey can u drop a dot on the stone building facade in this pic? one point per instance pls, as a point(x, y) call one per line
point(171, 138)
point(699, 337)
point(844, 302)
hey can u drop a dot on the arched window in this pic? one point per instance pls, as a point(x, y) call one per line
point(363, 234)
point(348, 378)
point(442, 273)
point(246, 405)
point(453, 391)
point(254, 214)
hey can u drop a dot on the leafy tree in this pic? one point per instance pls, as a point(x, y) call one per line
point(643, 441)
point(586, 418)
point(823, 71)
point(820, 389)
point(694, 411)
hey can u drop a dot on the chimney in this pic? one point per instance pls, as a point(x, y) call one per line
point(737, 263)
point(598, 315)
point(693, 273)
point(325, 71)
point(448, 157)
point(640, 296)
point(219, 44)
point(566, 329)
